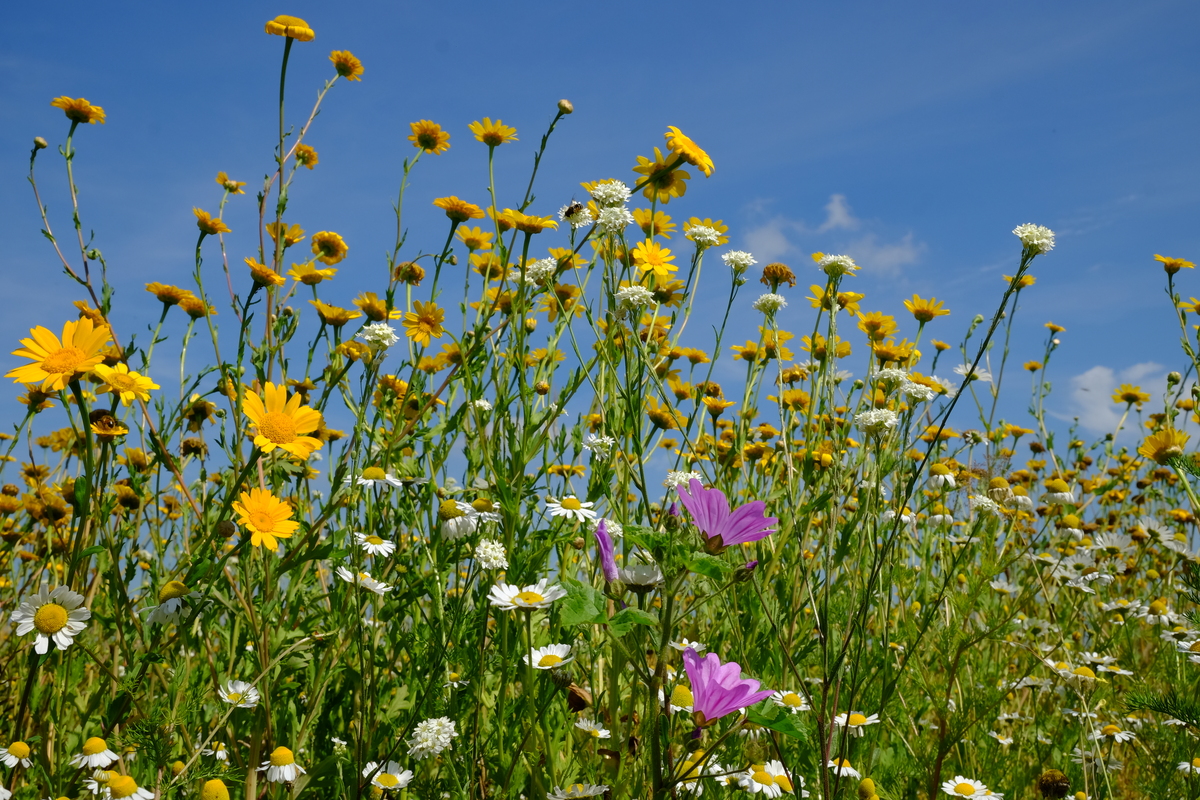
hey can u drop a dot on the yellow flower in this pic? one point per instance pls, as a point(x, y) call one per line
point(280, 422)
point(207, 224)
point(264, 275)
point(375, 309)
point(877, 325)
point(409, 272)
point(230, 185)
point(1130, 394)
point(129, 386)
point(306, 156)
point(652, 257)
point(328, 247)
point(266, 516)
point(661, 182)
point(346, 65)
point(717, 225)
point(925, 310)
point(429, 136)
point(527, 223)
point(1170, 265)
point(333, 316)
point(653, 223)
point(79, 110)
point(475, 238)
point(56, 361)
point(1025, 282)
point(291, 27)
point(491, 133)
point(1164, 445)
point(458, 210)
point(1054, 328)
point(195, 307)
point(168, 294)
point(310, 275)
point(689, 151)
point(424, 323)
point(106, 426)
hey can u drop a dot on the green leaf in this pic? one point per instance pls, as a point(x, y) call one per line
point(709, 566)
point(89, 552)
point(777, 720)
point(81, 493)
point(623, 621)
point(583, 604)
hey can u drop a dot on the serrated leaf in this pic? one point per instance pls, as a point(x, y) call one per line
point(778, 721)
point(709, 565)
point(582, 605)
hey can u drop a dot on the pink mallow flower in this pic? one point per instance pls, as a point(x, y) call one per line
point(718, 689)
point(710, 511)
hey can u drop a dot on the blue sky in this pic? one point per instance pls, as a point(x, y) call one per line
point(912, 136)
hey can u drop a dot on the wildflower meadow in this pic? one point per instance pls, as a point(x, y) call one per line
point(498, 531)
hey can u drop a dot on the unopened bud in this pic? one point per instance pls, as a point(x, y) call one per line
point(226, 529)
point(1173, 378)
point(530, 324)
point(578, 543)
point(40, 144)
point(542, 388)
point(565, 107)
point(745, 572)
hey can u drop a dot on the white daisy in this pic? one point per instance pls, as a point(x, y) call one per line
point(56, 616)
point(576, 790)
point(389, 776)
point(217, 751)
point(377, 478)
point(964, 787)
point(375, 545)
point(123, 787)
point(16, 753)
point(538, 595)
point(549, 657)
point(1190, 767)
point(685, 643)
point(282, 766)
point(593, 729)
point(239, 694)
point(793, 702)
point(770, 779)
point(455, 680)
point(94, 755)
point(1115, 733)
point(976, 374)
point(841, 767)
point(572, 508)
point(855, 721)
point(364, 580)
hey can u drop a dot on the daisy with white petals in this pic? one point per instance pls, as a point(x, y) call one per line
point(55, 615)
point(94, 755)
point(239, 694)
point(507, 597)
point(282, 766)
point(375, 545)
point(16, 753)
point(572, 508)
point(964, 787)
point(388, 777)
point(550, 656)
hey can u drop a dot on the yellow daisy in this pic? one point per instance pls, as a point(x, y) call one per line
point(333, 316)
point(291, 27)
point(280, 422)
point(310, 275)
point(129, 386)
point(207, 224)
point(264, 275)
point(266, 516)
point(429, 136)
point(328, 247)
point(653, 257)
point(346, 65)
point(491, 133)
point(291, 234)
point(1170, 265)
point(424, 322)
point(688, 150)
point(57, 361)
point(79, 110)
point(661, 182)
point(458, 210)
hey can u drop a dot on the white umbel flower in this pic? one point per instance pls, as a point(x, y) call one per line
point(675, 479)
point(94, 755)
point(738, 260)
point(614, 220)
point(491, 555)
point(507, 597)
point(704, 236)
point(769, 303)
point(635, 296)
point(579, 218)
point(389, 776)
point(600, 445)
point(984, 506)
point(877, 420)
point(549, 657)
point(1035, 238)
point(239, 694)
point(834, 266)
point(55, 615)
point(282, 766)
point(610, 193)
point(431, 737)
point(378, 336)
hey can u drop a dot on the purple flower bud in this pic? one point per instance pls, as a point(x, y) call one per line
point(604, 543)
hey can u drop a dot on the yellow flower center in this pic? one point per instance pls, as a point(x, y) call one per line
point(682, 696)
point(855, 720)
point(571, 503)
point(549, 660)
point(386, 780)
point(455, 676)
point(65, 362)
point(964, 788)
point(763, 777)
point(1196, 763)
point(234, 697)
point(94, 746)
point(281, 757)
point(18, 749)
point(50, 619)
point(529, 598)
point(214, 790)
point(575, 789)
point(262, 521)
point(121, 382)
point(1083, 672)
point(278, 427)
point(1158, 607)
point(1109, 730)
point(122, 786)
point(1195, 648)
point(374, 474)
point(373, 540)
point(783, 782)
point(172, 590)
point(792, 699)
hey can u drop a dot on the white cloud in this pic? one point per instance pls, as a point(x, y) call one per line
point(770, 242)
point(874, 256)
point(838, 215)
point(1091, 394)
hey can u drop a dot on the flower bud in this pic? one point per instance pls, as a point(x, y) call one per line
point(226, 529)
point(39, 143)
point(1173, 378)
point(866, 788)
point(565, 107)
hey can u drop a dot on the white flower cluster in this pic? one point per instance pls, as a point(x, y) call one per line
point(635, 296)
point(482, 405)
point(536, 272)
point(431, 737)
point(833, 265)
point(490, 554)
point(891, 375)
point(681, 479)
point(704, 236)
point(770, 303)
point(917, 391)
point(600, 445)
point(581, 218)
point(738, 260)
point(1035, 238)
point(984, 505)
point(877, 420)
point(615, 529)
point(611, 193)
point(378, 335)
point(614, 220)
